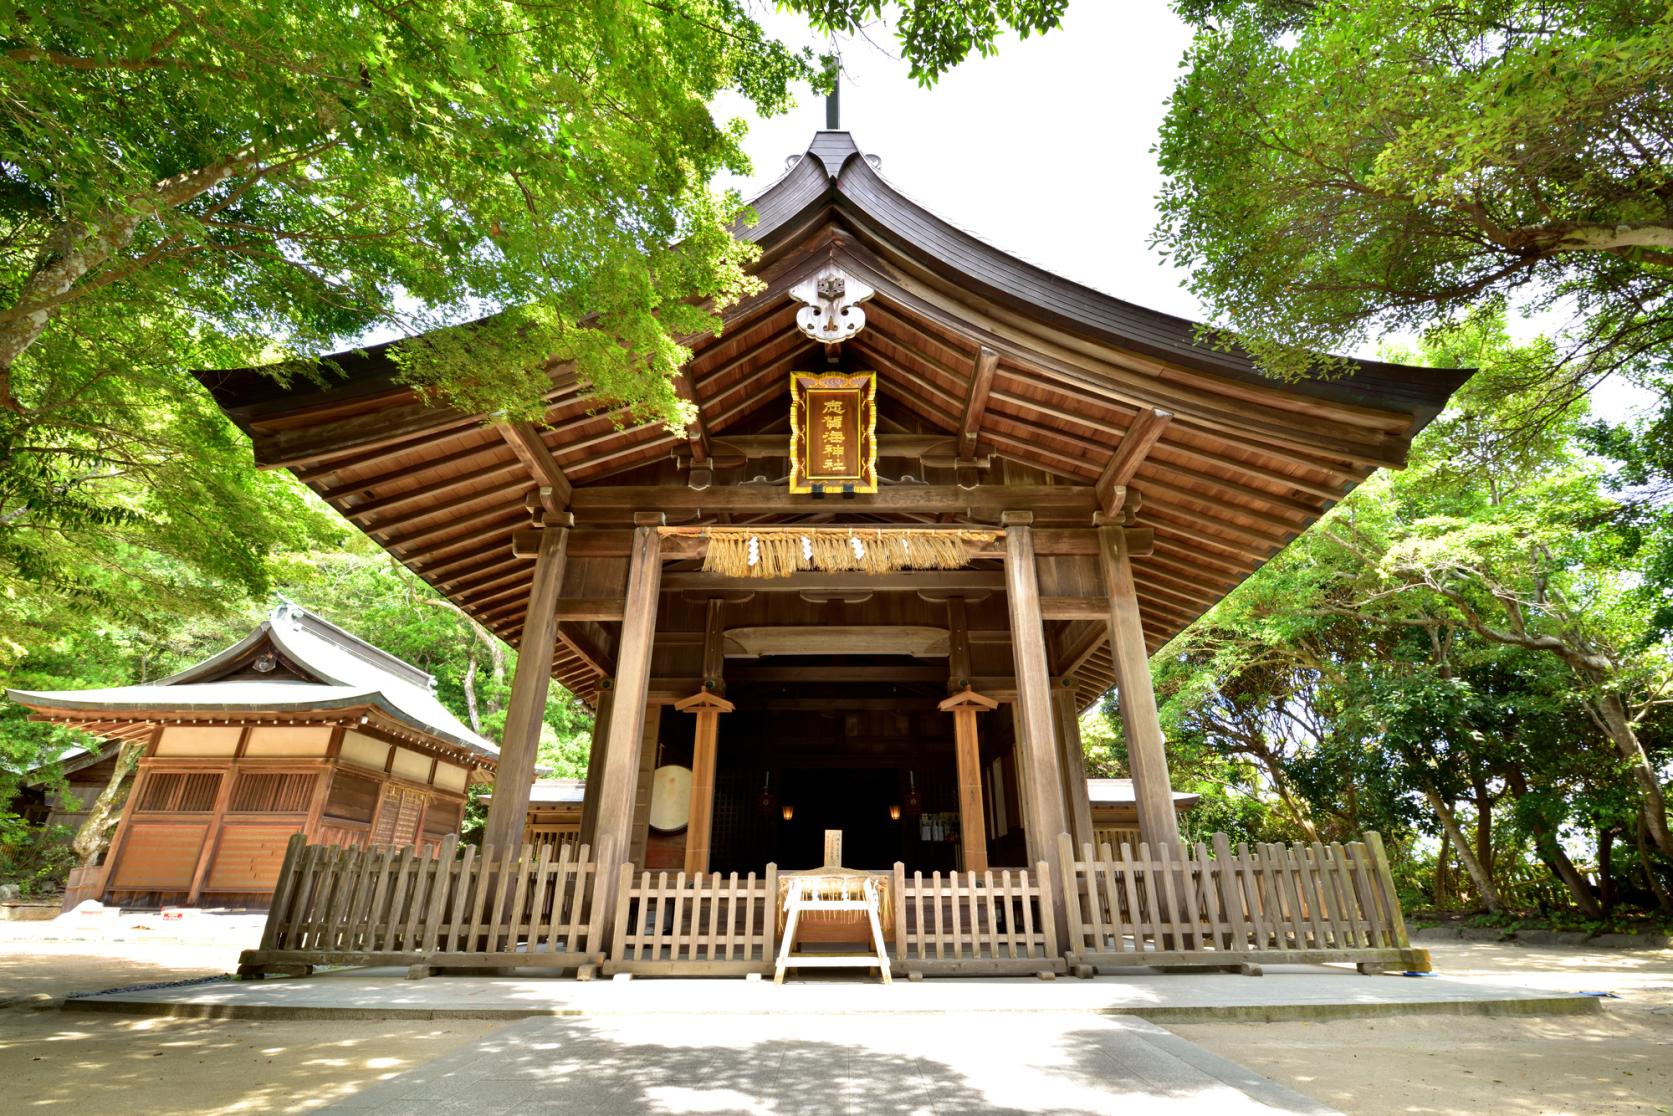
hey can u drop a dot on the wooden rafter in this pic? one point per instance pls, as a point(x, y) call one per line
point(525, 441)
point(1129, 455)
point(976, 402)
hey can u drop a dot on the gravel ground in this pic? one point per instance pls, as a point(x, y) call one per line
point(1605, 1065)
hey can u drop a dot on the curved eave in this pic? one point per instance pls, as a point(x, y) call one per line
point(66, 705)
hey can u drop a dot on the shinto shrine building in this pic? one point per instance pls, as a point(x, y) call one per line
point(935, 502)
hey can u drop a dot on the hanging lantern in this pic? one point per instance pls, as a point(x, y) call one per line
point(913, 801)
point(894, 813)
point(788, 812)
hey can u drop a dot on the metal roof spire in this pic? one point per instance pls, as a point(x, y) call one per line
point(833, 105)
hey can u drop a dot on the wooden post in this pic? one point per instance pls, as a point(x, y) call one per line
point(1146, 755)
point(967, 744)
point(619, 779)
point(1074, 763)
point(700, 818)
point(595, 761)
point(1043, 816)
point(707, 704)
point(967, 751)
point(508, 811)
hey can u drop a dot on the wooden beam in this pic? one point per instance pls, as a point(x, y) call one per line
point(1128, 456)
point(976, 401)
point(899, 581)
point(1065, 499)
point(735, 449)
point(525, 441)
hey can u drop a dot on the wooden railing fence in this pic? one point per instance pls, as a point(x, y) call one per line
point(990, 923)
point(430, 908)
point(1273, 903)
point(705, 924)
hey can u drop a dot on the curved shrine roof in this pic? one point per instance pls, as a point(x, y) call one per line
point(977, 353)
point(319, 668)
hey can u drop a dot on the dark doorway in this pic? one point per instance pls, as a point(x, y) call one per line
point(854, 800)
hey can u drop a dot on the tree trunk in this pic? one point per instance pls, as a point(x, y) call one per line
point(1612, 711)
point(106, 811)
point(1606, 869)
point(1443, 870)
point(76, 248)
point(470, 695)
point(1551, 852)
point(1291, 806)
point(1663, 900)
point(1483, 823)
point(1449, 821)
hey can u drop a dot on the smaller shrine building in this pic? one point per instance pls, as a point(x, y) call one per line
point(299, 727)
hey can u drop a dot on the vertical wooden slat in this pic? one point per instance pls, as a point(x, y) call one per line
point(484, 883)
point(899, 892)
point(1385, 880)
point(446, 862)
point(1069, 870)
point(566, 900)
point(1137, 910)
point(1208, 890)
point(1170, 905)
point(1228, 878)
point(680, 939)
point(538, 901)
point(355, 914)
point(993, 927)
point(1028, 914)
point(769, 927)
point(1049, 925)
point(1112, 890)
point(1010, 908)
point(1342, 872)
point(397, 896)
point(461, 898)
point(423, 876)
point(278, 912)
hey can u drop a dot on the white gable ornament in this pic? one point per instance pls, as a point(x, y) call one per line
point(832, 311)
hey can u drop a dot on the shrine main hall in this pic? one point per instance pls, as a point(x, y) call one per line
point(934, 503)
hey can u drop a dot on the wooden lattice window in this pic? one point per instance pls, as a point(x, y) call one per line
point(351, 798)
point(267, 792)
point(398, 820)
point(178, 792)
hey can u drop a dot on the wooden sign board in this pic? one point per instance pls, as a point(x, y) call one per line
point(833, 432)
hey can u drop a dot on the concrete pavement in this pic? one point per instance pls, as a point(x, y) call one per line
point(1065, 1064)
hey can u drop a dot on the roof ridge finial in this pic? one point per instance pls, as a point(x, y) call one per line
point(833, 99)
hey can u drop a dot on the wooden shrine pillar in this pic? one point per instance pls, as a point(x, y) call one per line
point(1146, 756)
point(707, 704)
point(595, 760)
point(1037, 751)
point(508, 812)
point(1074, 763)
point(619, 778)
point(964, 703)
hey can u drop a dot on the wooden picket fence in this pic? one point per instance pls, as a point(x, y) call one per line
point(996, 923)
point(381, 905)
point(705, 924)
point(1274, 903)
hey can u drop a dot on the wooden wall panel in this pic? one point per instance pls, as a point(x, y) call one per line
point(159, 856)
point(249, 857)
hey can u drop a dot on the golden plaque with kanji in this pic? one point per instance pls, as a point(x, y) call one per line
point(833, 432)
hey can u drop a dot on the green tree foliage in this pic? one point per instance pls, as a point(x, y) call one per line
point(1462, 651)
point(1334, 170)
